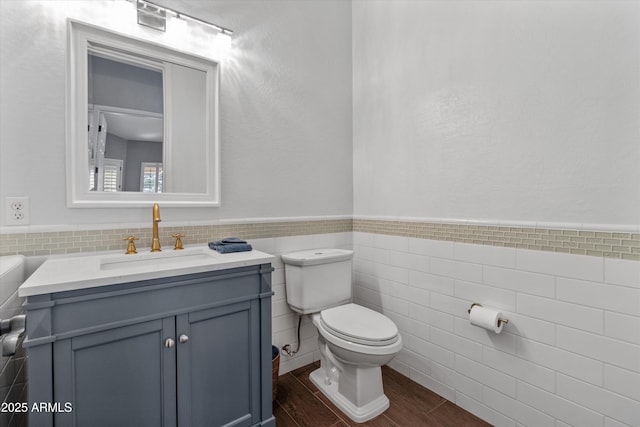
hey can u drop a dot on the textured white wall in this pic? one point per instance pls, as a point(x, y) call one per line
point(285, 108)
point(497, 110)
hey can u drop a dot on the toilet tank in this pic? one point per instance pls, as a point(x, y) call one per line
point(317, 279)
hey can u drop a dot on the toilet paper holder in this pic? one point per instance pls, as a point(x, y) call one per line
point(500, 321)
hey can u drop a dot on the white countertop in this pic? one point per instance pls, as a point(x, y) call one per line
point(82, 272)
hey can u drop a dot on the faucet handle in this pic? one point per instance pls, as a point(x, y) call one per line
point(178, 246)
point(131, 247)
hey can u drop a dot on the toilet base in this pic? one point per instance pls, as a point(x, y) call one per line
point(359, 414)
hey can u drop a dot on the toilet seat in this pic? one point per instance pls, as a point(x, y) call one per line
point(358, 324)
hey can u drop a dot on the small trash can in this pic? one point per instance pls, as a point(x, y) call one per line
point(275, 368)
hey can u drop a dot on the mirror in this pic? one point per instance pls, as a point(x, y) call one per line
point(142, 122)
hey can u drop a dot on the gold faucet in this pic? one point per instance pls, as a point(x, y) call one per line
point(155, 243)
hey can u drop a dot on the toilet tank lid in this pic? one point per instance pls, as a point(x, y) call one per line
point(317, 256)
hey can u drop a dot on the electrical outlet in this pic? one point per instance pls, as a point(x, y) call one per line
point(17, 210)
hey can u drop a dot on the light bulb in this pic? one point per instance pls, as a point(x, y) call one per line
point(222, 44)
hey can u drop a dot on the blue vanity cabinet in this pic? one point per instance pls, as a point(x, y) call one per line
point(201, 359)
point(193, 350)
point(117, 375)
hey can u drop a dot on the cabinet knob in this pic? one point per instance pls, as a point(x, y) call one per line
point(183, 338)
point(169, 343)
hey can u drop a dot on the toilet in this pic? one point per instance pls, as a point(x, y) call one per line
point(354, 341)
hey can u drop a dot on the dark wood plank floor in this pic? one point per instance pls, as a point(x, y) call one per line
point(299, 403)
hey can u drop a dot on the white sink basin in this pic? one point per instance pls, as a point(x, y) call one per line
point(69, 273)
point(157, 259)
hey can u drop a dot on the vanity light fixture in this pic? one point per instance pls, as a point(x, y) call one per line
point(151, 16)
point(155, 16)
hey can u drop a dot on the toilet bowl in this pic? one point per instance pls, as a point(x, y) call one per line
point(359, 333)
point(349, 373)
point(354, 341)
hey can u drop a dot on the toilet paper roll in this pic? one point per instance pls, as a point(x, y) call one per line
point(486, 318)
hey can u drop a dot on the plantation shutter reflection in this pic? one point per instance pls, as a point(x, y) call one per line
point(151, 181)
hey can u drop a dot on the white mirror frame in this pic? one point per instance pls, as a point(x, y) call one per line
point(78, 195)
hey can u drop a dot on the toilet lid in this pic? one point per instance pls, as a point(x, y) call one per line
point(359, 324)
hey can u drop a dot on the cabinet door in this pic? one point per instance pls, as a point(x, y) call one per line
point(119, 377)
point(219, 366)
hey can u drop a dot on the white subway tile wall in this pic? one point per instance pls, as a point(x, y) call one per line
point(570, 354)
point(13, 382)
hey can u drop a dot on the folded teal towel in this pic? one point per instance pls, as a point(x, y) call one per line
point(227, 241)
point(230, 244)
point(234, 247)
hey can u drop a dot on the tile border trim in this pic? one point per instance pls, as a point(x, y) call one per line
point(108, 239)
point(616, 242)
point(608, 244)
